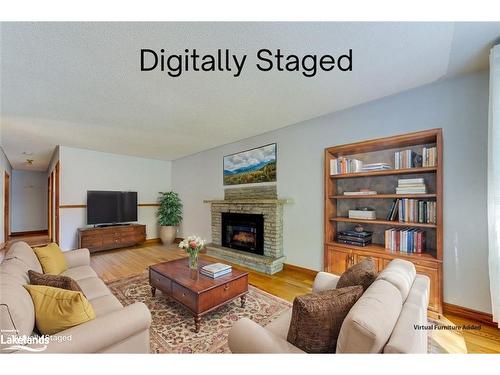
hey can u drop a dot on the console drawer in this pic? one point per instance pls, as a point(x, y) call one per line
point(184, 296)
point(160, 282)
point(222, 293)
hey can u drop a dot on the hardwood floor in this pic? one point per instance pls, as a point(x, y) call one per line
point(291, 282)
point(117, 264)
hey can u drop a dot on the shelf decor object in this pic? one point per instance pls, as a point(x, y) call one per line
point(426, 252)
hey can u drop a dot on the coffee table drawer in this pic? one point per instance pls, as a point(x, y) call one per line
point(160, 282)
point(223, 293)
point(184, 296)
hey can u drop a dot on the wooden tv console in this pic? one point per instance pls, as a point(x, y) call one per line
point(112, 237)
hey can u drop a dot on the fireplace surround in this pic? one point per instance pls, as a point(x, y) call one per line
point(249, 203)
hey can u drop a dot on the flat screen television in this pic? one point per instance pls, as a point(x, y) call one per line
point(111, 207)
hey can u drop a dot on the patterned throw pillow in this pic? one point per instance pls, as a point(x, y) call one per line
point(56, 281)
point(318, 317)
point(363, 273)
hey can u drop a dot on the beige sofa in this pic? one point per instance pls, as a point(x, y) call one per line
point(116, 329)
point(381, 321)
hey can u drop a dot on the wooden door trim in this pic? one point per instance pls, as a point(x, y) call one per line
point(6, 205)
point(49, 206)
point(56, 199)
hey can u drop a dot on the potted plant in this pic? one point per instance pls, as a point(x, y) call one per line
point(169, 216)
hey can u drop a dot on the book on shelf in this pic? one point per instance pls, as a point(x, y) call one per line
point(362, 214)
point(352, 237)
point(411, 186)
point(417, 211)
point(407, 159)
point(405, 240)
point(393, 210)
point(216, 270)
point(376, 167)
point(429, 157)
point(344, 165)
point(355, 233)
point(361, 192)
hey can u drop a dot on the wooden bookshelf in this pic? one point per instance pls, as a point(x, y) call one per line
point(383, 222)
point(337, 256)
point(383, 196)
point(386, 172)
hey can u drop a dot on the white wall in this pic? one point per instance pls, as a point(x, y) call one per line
point(83, 170)
point(459, 106)
point(29, 201)
point(4, 166)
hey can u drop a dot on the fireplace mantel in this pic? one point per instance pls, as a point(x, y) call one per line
point(249, 201)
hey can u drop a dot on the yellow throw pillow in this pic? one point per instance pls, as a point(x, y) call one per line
point(51, 258)
point(58, 309)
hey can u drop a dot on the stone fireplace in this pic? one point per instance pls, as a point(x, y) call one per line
point(247, 228)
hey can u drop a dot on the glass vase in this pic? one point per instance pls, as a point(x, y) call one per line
point(193, 260)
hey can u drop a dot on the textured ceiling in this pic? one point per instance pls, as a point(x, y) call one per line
point(80, 84)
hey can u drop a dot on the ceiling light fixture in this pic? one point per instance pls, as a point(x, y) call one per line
point(27, 153)
point(29, 161)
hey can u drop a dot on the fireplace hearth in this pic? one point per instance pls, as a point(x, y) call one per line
point(243, 232)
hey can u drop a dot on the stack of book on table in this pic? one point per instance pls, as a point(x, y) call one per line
point(376, 167)
point(411, 186)
point(344, 165)
point(352, 237)
point(215, 270)
point(406, 240)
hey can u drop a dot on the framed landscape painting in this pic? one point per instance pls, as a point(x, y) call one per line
point(251, 166)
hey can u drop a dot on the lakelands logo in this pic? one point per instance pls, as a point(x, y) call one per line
point(14, 342)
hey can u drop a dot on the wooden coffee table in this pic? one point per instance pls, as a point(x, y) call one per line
point(200, 294)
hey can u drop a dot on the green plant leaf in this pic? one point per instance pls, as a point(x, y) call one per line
point(170, 210)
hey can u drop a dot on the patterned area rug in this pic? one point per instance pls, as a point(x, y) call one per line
point(172, 328)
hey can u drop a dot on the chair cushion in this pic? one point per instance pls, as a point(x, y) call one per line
point(57, 281)
point(59, 309)
point(371, 320)
point(80, 273)
point(401, 274)
point(22, 251)
point(17, 269)
point(93, 288)
point(317, 318)
point(51, 258)
point(405, 338)
point(363, 273)
point(281, 324)
point(105, 304)
point(17, 316)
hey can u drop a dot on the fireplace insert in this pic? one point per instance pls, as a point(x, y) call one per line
point(243, 232)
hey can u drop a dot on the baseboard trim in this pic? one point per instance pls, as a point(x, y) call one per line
point(292, 267)
point(30, 233)
point(467, 313)
point(151, 241)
